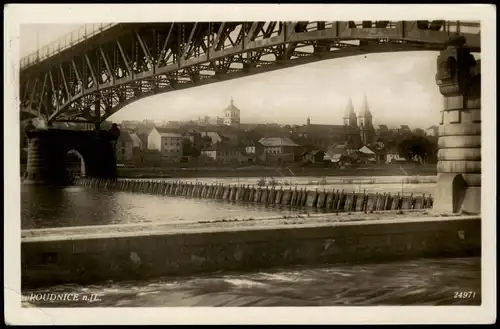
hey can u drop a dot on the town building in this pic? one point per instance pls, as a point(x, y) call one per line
point(168, 143)
point(222, 153)
point(254, 151)
point(365, 154)
point(128, 148)
point(404, 130)
point(314, 156)
point(278, 145)
point(386, 152)
point(356, 129)
point(322, 135)
point(383, 132)
point(279, 149)
point(213, 136)
point(338, 154)
point(210, 121)
point(393, 156)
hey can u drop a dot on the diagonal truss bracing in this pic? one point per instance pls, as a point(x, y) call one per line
point(98, 76)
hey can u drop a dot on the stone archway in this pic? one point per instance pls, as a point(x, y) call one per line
point(90, 153)
point(75, 164)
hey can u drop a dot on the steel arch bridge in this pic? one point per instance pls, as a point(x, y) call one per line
point(93, 74)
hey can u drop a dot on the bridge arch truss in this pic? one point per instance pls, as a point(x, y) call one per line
point(100, 74)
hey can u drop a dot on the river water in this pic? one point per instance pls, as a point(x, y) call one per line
point(419, 282)
point(78, 206)
point(44, 207)
point(431, 282)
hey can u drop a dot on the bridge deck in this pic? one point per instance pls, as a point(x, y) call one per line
point(87, 31)
point(89, 76)
point(69, 40)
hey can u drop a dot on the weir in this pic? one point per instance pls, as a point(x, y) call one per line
point(327, 200)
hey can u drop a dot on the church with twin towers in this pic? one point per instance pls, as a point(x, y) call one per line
point(363, 122)
point(356, 128)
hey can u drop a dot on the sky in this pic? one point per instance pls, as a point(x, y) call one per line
point(400, 88)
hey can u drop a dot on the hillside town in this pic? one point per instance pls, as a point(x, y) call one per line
point(228, 141)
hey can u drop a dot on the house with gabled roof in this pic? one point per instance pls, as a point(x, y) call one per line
point(128, 147)
point(167, 142)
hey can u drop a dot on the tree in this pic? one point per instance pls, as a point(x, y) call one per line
point(188, 149)
point(206, 142)
point(417, 147)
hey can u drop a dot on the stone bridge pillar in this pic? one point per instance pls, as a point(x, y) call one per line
point(43, 166)
point(459, 143)
point(48, 150)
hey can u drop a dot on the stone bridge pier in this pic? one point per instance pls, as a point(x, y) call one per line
point(459, 143)
point(48, 155)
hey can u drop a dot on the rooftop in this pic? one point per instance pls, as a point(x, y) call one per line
point(277, 141)
point(136, 140)
point(312, 128)
point(232, 107)
point(366, 150)
point(167, 132)
point(221, 147)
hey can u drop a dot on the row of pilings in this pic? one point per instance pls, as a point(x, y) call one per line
point(335, 200)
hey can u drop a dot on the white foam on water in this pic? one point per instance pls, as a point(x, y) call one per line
point(286, 277)
point(146, 293)
point(340, 273)
point(244, 282)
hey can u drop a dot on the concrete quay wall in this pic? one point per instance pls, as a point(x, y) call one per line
point(329, 200)
point(98, 257)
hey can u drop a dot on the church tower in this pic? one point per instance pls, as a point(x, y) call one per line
point(232, 115)
point(350, 116)
point(365, 122)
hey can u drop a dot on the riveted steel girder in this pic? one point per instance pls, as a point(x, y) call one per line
point(99, 75)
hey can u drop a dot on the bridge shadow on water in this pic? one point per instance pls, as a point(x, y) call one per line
point(43, 206)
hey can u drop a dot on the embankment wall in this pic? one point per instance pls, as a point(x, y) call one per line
point(92, 258)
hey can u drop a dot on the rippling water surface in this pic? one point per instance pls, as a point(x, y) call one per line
point(78, 206)
point(420, 282)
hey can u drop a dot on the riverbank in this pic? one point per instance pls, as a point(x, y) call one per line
point(96, 254)
point(261, 171)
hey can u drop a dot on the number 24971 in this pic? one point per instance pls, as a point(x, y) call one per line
point(464, 295)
